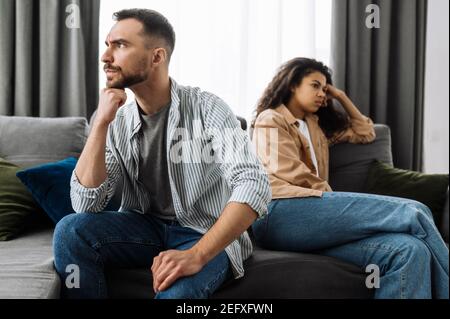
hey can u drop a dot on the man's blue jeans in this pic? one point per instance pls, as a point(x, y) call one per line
point(397, 235)
point(95, 241)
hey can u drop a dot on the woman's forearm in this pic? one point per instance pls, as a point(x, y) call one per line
point(349, 106)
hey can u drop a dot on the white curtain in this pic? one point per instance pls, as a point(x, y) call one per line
point(234, 47)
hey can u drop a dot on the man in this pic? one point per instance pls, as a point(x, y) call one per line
point(184, 219)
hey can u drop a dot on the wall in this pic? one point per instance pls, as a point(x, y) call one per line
point(436, 127)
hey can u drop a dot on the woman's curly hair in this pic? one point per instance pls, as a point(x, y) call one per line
point(288, 77)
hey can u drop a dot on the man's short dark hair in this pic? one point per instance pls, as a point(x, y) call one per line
point(155, 25)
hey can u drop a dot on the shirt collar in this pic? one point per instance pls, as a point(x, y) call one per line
point(174, 107)
point(283, 110)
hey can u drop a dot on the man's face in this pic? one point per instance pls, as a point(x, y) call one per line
point(126, 57)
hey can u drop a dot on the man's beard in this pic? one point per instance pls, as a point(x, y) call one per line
point(127, 80)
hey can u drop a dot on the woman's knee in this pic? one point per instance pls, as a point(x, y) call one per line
point(417, 207)
point(414, 249)
point(422, 208)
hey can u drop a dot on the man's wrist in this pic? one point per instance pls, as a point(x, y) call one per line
point(201, 256)
point(99, 124)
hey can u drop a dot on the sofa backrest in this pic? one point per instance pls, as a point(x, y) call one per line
point(30, 141)
point(349, 163)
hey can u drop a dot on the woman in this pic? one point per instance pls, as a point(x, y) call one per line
point(295, 123)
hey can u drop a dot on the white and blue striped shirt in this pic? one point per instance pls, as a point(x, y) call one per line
point(210, 163)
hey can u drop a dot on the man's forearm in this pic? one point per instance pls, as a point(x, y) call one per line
point(91, 166)
point(234, 220)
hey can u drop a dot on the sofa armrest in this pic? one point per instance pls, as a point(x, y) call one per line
point(350, 163)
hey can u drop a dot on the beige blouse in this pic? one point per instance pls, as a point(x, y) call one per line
point(286, 156)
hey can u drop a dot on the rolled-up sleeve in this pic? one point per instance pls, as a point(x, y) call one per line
point(241, 167)
point(86, 199)
point(361, 131)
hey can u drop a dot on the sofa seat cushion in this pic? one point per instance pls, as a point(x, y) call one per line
point(268, 274)
point(26, 266)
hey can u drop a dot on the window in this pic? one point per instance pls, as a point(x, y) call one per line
point(233, 48)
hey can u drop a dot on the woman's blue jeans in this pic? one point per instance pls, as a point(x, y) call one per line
point(95, 241)
point(397, 235)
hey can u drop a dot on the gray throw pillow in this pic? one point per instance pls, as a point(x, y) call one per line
point(31, 141)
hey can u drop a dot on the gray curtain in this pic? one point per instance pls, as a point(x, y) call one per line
point(48, 57)
point(382, 69)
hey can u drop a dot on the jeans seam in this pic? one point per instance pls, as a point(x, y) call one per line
point(274, 203)
point(402, 284)
point(373, 196)
point(99, 274)
point(266, 221)
point(402, 258)
point(208, 288)
point(110, 240)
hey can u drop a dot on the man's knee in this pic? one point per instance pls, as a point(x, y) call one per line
point(67, 227)
point(66, 236)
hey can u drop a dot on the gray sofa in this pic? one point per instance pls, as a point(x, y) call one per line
point(26, 262)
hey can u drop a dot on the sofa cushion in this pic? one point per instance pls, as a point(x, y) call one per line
point(268, 274)
point(429, 189)
point(29, 141)
point(350, 163)
point(26, 266)
point(50, 186)
point(16, 202)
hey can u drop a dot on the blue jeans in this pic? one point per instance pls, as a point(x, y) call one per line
point(95, 241)
point(398, 235)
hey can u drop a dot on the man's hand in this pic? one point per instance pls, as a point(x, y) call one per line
point(170, 265)
point(109, 102)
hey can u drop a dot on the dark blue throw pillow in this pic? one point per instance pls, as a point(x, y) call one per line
point(50, 186)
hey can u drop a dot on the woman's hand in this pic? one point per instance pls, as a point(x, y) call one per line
point(333, 93)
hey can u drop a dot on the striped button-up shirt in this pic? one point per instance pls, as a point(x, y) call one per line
point(210, 163)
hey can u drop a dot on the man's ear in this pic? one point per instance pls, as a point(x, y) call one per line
point(159, 56)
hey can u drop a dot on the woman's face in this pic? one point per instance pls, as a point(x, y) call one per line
point(310, 94)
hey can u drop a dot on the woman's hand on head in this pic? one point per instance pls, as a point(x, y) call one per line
point(333, 93)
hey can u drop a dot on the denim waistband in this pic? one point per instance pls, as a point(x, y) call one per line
point(170, 222)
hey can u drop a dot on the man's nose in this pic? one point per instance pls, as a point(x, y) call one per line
point(107, 57)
